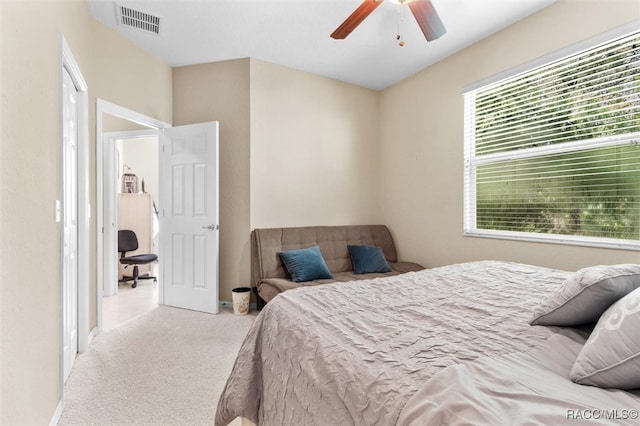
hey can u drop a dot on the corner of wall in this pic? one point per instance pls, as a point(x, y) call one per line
point(220, 91)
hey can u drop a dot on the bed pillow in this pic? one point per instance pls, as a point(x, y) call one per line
point(368, 259)
point(611, 356)
point(305, 264)
point(585, 295)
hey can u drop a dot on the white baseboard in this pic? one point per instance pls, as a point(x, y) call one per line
point(57, 414)
point(227, 304)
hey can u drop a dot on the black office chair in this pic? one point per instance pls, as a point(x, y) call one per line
point(127, 241)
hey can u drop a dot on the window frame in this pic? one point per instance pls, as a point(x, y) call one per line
point(471, 160)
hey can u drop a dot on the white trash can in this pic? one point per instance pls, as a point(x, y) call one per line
point(241, 297)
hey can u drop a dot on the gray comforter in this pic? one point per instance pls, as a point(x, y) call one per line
point(355, 353)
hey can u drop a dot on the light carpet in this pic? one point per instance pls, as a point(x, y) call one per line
point(166, 367)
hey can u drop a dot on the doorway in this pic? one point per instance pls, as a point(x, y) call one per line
point(72, 211)
point(135, 195)
point(114, 123)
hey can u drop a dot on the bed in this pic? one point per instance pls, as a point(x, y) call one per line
point(449, 345)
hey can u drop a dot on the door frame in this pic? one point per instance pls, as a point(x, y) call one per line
point(70, 65)
point(110, 199)
point(106, 107)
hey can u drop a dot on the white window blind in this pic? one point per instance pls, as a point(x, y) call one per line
point(553, 153)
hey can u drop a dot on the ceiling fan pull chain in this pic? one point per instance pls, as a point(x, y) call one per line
point(400, 22)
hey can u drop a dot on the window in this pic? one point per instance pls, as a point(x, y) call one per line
point(553, 153)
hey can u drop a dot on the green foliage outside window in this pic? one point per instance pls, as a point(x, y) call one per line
point(593, 192)
point(598, 197)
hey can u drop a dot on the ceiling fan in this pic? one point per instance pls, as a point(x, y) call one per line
point(423, 11)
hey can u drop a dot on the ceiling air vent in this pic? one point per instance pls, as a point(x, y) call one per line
point(139, 20)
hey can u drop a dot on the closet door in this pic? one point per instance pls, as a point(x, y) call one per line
point(70, 223)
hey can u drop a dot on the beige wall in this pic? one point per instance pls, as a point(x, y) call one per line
point(295, 149)
point(422, 141)
point(115, 70)
point(314, 149)
point(220, 92)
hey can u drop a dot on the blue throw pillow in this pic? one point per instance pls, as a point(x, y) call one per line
point(305, 264)
point(367, 259)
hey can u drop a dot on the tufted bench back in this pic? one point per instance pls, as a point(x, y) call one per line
point(266, 243)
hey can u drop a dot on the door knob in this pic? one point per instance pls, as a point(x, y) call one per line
point(211, 227)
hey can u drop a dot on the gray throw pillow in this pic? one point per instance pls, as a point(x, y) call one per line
point(585, 295)
point(611, 356)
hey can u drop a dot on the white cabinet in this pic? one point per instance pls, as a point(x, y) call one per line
point(135, 213)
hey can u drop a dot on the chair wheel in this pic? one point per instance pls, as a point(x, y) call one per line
point(134, 285)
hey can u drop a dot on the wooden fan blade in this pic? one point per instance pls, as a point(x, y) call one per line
point(355, 18)
point(427, 18)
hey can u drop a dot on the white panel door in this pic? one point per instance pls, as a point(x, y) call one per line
point(70, 222)
point(189, 220)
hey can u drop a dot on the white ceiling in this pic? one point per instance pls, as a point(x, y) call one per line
point(295, 33)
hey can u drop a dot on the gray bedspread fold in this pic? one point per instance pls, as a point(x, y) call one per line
point(523, 388)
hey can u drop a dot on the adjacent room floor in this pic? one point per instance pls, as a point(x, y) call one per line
point(129, 303)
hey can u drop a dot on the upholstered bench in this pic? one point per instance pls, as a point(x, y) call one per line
point(271, 277)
